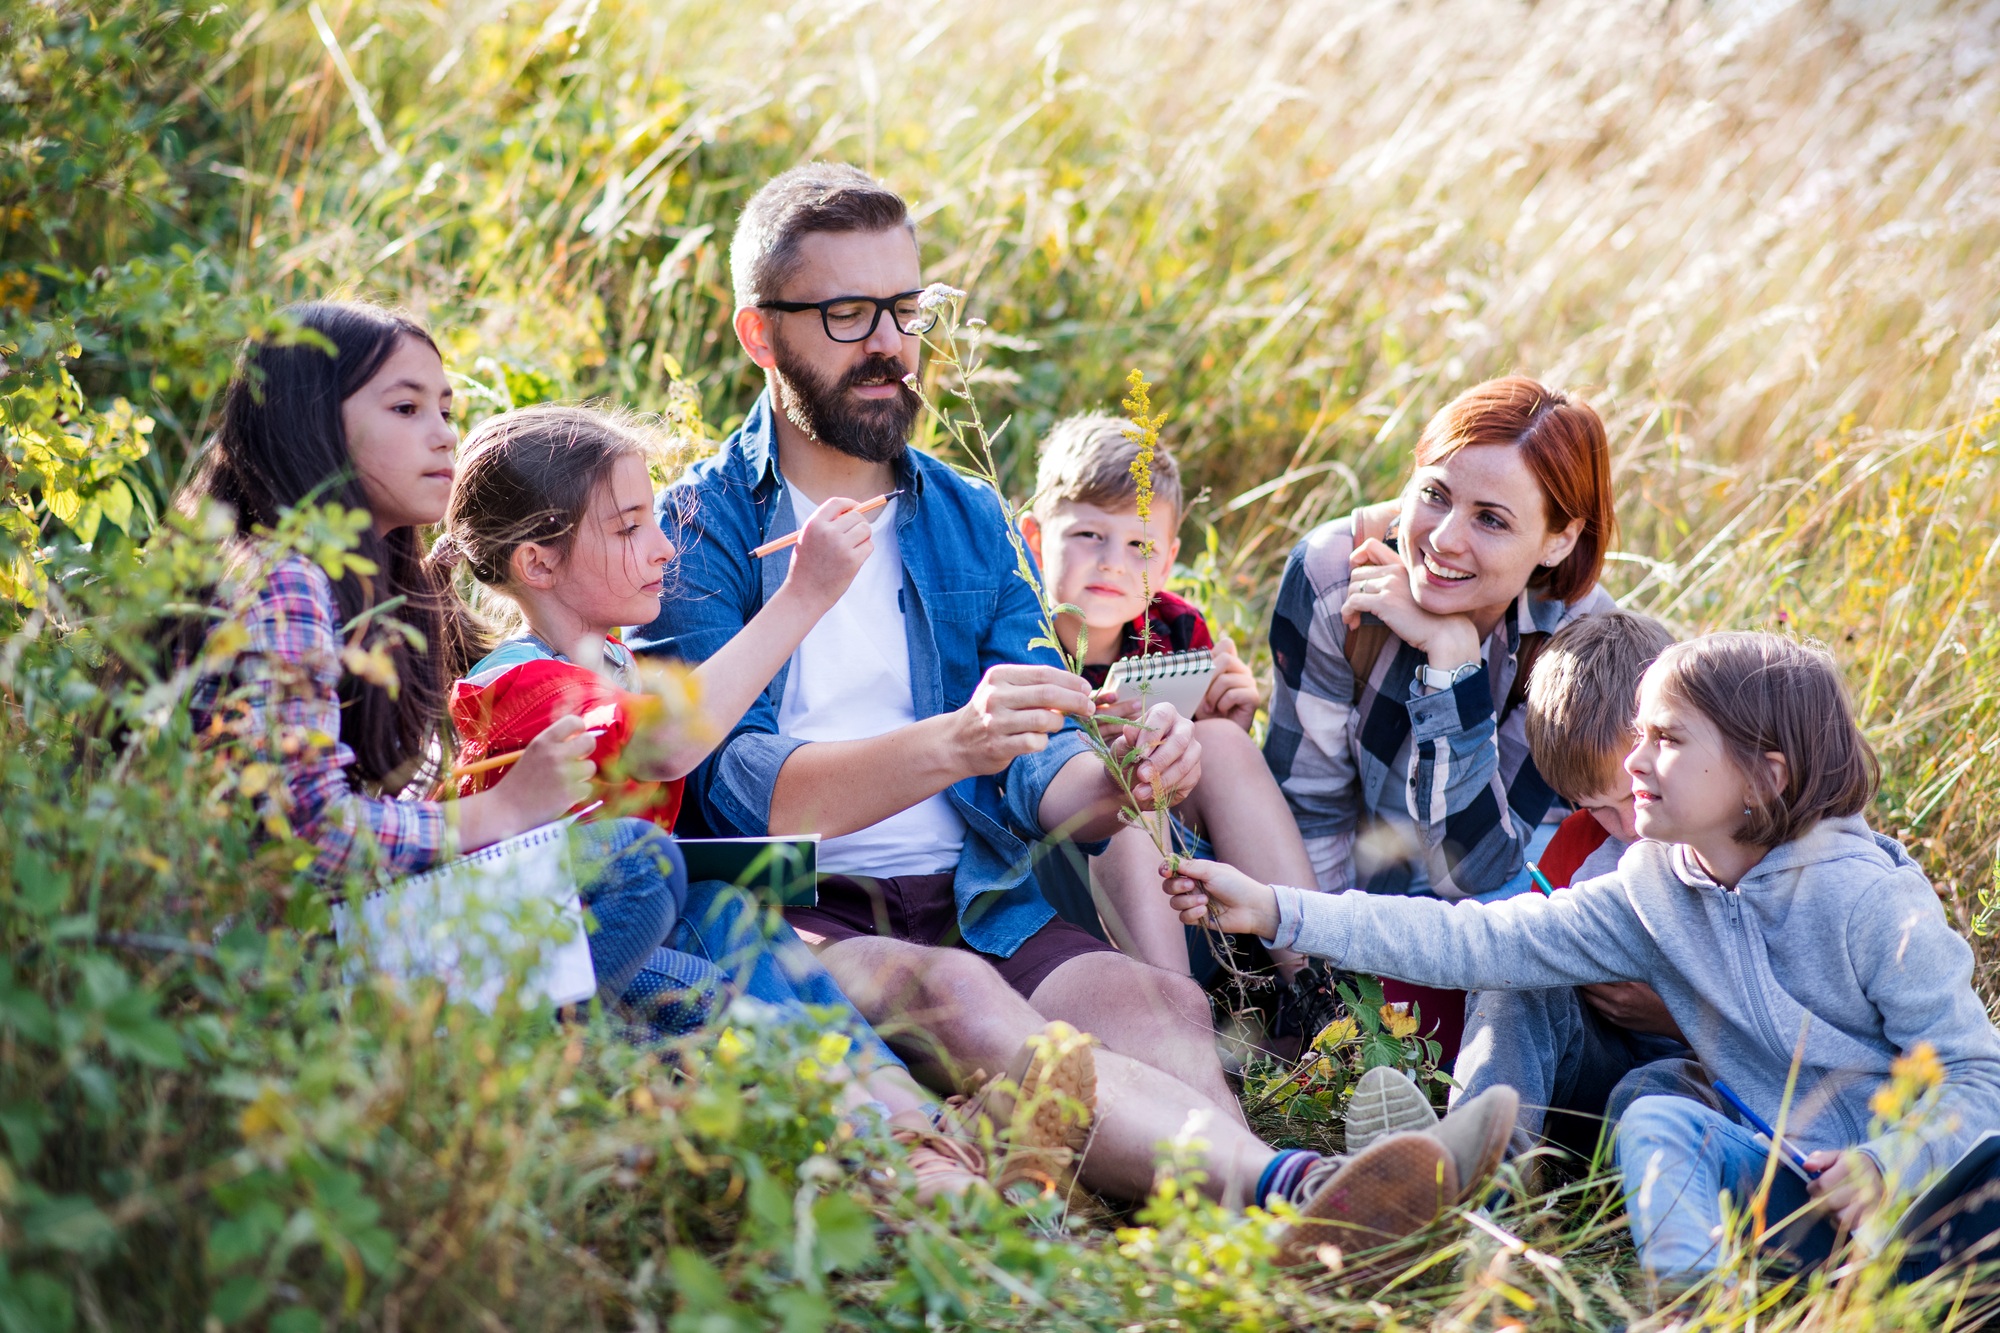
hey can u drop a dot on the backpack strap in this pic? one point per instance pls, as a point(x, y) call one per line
point(1365, 642)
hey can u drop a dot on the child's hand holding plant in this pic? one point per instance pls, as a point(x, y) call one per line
point(1240, 905)
point(1169, 755)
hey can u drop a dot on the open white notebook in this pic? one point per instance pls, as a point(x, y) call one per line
point(467, 921)
point(1180, 679)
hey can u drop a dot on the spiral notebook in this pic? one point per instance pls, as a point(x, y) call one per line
point(469, 921)
point(1180, 679)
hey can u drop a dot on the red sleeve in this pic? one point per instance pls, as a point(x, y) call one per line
point(504, 713)
point(1177, 621)
point(1576, 838)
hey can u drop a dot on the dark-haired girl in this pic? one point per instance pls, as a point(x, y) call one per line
point(359, 414)
point(553, 510)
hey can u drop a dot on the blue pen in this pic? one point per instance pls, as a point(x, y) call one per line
point(1757, 1123)
point(1535, 873)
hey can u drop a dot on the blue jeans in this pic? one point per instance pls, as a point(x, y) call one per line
point(724, 948)
point(1677, 1156)
point(634, 882)
point(1559, 1054)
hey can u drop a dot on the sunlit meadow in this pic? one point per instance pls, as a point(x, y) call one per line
point(1762, 238)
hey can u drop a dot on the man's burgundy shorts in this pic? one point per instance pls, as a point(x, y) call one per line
point(921, 910)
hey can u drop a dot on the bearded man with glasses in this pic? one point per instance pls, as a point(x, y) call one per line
point(932, 749)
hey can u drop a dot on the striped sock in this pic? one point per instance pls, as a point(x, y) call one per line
point(1283, 1173)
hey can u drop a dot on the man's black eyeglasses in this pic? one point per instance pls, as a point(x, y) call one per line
point(852, 319)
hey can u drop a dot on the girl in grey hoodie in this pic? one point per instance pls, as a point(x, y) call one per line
point(1792, 944)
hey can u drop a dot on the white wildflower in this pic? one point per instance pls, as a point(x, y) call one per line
point(938, 295)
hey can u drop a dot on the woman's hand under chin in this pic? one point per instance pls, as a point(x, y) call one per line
point(1381, 584)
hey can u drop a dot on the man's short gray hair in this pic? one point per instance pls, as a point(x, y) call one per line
point(811, 197)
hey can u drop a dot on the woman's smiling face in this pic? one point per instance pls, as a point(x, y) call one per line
point(1474, 529)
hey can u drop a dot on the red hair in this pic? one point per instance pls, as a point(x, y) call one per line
point(1563, 441)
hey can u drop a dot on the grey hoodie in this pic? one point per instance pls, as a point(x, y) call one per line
point(1834, 946)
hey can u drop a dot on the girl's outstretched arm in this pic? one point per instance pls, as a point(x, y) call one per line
point(833, 545)
point(1582, 935)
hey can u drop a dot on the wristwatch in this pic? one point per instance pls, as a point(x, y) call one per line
point(1437, 678)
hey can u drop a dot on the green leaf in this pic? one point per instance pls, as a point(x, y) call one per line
point(700, 1286)
point(845, 1232)
point(132, 1030)
point(238, 1299)
point(246, 1236)
point(24, 1124)
point(377, 1248)
point(84, 525)
point(771, 1206)
point(64, 503)
point(116, 501)
point(25, 1012)
point(297, 1319)
point(34, 1303)
point(69, 1222)
point(39, 887)
point(801, 1311)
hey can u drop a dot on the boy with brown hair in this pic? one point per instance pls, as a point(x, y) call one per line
point(1566, 1050)
point(1096, 555)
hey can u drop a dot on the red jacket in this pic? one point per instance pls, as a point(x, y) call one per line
point(505, 712)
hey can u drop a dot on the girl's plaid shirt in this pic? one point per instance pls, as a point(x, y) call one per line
point(282, 697)
point(1442, 788)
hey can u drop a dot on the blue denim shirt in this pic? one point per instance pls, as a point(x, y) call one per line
point(965, 608)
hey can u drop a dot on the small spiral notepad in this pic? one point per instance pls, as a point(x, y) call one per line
point(469, 920)
point(1180, 679)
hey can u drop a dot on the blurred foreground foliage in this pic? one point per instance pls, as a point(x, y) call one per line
point(1765, 241)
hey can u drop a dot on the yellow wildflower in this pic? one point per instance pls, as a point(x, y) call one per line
point(1911, 1076)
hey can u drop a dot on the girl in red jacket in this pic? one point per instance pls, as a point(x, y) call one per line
point(553, 510)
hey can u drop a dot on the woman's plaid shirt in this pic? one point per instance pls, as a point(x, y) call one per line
point(1401, 790)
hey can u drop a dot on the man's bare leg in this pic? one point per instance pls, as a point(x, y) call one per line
point(1153, 1016)
point(1125, 886)
point(927, 1000)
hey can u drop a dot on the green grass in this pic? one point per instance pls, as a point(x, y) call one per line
point(1760, 239)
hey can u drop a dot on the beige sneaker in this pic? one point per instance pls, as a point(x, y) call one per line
point(1386, 1101)
point(1476, 1133)
point(1394, 1188)
point(1039, 1111)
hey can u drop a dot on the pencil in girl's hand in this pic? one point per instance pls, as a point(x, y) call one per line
point(792, 538)
point(492, 762)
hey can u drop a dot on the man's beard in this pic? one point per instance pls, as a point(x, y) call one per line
point(873, 430)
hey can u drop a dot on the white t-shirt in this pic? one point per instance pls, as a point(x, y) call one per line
point(849, 680)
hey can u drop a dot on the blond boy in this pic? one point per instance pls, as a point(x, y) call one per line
point(1084, 529)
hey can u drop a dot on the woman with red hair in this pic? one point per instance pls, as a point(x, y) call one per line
point(1403, 638)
